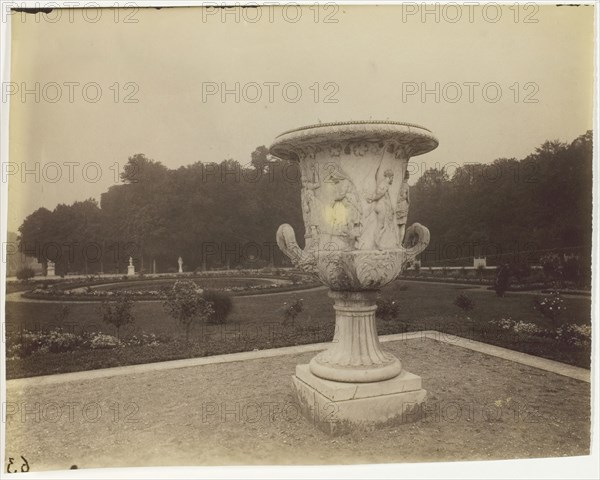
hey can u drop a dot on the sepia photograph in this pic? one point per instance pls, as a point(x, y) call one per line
point(299, 239)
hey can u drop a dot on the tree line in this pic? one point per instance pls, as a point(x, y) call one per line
point(213, 215)
point(225, 215)
point(511, 210)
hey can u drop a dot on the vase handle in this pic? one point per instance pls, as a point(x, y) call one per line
point(286, 240)
point(416, 240)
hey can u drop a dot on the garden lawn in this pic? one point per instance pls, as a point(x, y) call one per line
point(257, 323)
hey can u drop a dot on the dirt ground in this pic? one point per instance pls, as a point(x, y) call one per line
point(478, 407)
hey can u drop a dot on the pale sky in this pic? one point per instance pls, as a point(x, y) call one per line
point(371, 56)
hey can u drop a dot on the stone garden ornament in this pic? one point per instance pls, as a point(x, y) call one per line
point(355, 204)
point(130, 268)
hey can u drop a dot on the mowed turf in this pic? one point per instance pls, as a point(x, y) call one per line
point(257, 322)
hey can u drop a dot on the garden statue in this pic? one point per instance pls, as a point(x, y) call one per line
point(130, 268)
point(50, 269)
point(180, 262)
point(354, 205)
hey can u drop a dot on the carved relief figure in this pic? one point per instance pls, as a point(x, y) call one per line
point(346, 211)
point(402, 206)
point(383, 209)
point(309, 186)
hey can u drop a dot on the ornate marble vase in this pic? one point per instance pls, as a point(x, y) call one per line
point(355, 203)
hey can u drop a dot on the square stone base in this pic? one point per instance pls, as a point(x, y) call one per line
point(339, 407)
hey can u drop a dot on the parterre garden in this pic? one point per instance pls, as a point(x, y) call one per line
point(184, 317)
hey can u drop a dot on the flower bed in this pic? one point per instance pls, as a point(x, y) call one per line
point(94, 291)
point(26, 343)
point(570, 334)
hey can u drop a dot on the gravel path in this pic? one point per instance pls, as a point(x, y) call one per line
point(244, 413)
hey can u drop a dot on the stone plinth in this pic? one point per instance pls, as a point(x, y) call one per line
point(130, 268)
point(354, 384)
point(479, 262)
point(339, 407)
point(50, 270)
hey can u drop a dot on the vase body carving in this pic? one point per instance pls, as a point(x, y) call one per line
point(354, 204)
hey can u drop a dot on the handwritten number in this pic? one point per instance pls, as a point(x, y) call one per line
point(11, 463)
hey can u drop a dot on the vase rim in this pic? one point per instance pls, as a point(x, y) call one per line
point(420, 139)
point(354, 122)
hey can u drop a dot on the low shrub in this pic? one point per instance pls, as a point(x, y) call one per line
point(552, 266)
point(291, 310)
point(502, 280)
point(184, 302)
point(222, 305)
point(25, 273)
point(520, 270)
point(464, 302)
point(387, 309)
point(551, 306)
point(118, 313)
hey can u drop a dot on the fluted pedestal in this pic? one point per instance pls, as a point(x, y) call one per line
point(355, 354)
point(354, 384)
